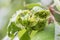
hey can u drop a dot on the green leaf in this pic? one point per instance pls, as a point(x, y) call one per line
point(25, 36)
point(13, 30)
point(57, 3)
point(33, 33)
point(43, 13)
point(21, 33)
point(46, 34)
point(31, 5)
point(57, 17)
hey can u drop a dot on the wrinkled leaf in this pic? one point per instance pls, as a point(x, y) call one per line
point(13, 30)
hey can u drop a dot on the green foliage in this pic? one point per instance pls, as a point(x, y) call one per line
point(57, 7)
point(46, 34)
point(57, 3)
point(11, 32)
point(31, 5)
point(57, 17)
point(28, 20)
point(25, 36)
point(43, 13)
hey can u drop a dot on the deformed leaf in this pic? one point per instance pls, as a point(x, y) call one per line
point(13, 29)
